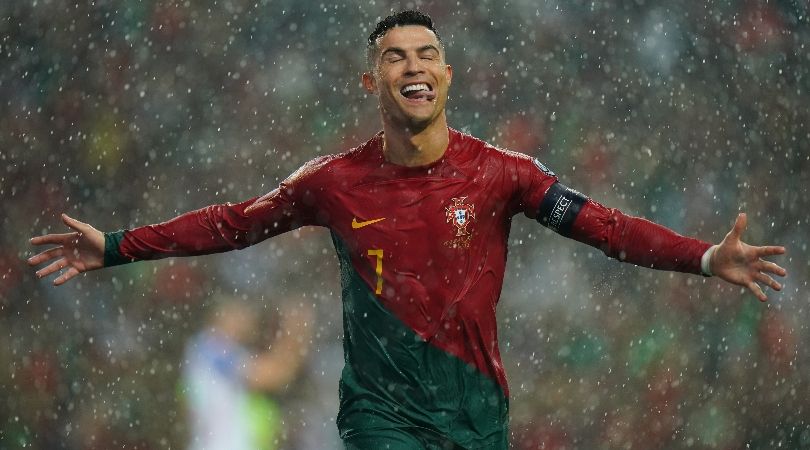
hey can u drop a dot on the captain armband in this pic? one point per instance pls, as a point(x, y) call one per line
point(560, 207)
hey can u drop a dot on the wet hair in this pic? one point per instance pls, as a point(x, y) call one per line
point(402, 18)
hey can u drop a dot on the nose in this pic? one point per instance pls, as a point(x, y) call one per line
point(414, 65)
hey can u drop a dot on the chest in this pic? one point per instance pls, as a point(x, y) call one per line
point(424, 214)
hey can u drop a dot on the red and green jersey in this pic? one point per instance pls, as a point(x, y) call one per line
point(422, 252)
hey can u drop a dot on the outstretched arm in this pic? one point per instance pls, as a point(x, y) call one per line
point(739, 263)
point(635, 240)
point(78, 251)
point(213, 229)
point(648, 244)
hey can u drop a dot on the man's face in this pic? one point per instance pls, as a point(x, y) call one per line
point(410, 77)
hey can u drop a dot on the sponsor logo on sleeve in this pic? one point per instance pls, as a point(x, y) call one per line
point(558, 212)
point(560, 207)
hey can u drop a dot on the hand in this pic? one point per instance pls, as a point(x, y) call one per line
point(742, 264)
point(79, 251)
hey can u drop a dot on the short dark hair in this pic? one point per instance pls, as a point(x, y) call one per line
point(402, 18)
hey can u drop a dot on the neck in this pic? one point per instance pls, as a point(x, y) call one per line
point(404, 147)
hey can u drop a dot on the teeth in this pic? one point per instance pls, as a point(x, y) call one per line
point(415, 87)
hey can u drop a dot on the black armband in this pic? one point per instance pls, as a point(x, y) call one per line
point(560, 207)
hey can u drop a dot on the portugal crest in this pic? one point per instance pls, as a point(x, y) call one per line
point(461, 214)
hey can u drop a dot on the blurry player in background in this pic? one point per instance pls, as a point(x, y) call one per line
point(419, 216)
point(225, 384)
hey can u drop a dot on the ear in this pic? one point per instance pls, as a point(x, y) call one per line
point(369, 82)
point(449, 69)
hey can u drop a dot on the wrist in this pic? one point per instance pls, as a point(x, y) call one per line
point(112, 256)
point(706, 261)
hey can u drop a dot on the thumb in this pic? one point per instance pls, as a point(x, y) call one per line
point(81, 227)
point(739, 226)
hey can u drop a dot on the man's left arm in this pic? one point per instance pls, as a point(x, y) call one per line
point(538, 193)
point(645, 243)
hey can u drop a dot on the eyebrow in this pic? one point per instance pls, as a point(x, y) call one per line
point(401, 51)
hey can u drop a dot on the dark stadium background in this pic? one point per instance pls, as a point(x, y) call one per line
point(128, 113)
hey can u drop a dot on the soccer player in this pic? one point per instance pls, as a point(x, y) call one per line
point(225, 385)
point(419, 216)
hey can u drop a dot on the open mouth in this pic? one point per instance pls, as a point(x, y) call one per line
point(418, 91)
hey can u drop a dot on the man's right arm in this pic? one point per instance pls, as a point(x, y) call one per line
point(212, 229)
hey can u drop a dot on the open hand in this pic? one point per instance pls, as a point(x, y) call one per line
point(78, 251)
point(742, 264)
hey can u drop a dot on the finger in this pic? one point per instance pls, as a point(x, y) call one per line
point(757, 291)
point(81, 227)
point(769, 250)
point(55, 266)
point(70, 273)
point(768, 281)
point(739, 225)
point(53, 253)
point(59, 239)
point(767, 266)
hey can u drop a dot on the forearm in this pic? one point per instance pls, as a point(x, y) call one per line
point(213, 229)
point(637, 240)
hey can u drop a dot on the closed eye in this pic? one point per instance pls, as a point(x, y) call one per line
point(429, 53)
point(393, 55)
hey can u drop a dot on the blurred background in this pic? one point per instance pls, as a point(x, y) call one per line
point(130, 112)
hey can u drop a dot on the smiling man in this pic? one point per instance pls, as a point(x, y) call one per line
point(409, 75)
point(419, 216)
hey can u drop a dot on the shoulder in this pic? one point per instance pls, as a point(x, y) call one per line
point(312, 168)
point(491, 155)
point(322, 171)
point(466, 143)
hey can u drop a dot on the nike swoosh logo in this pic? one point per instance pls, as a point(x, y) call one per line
point(356, 224)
